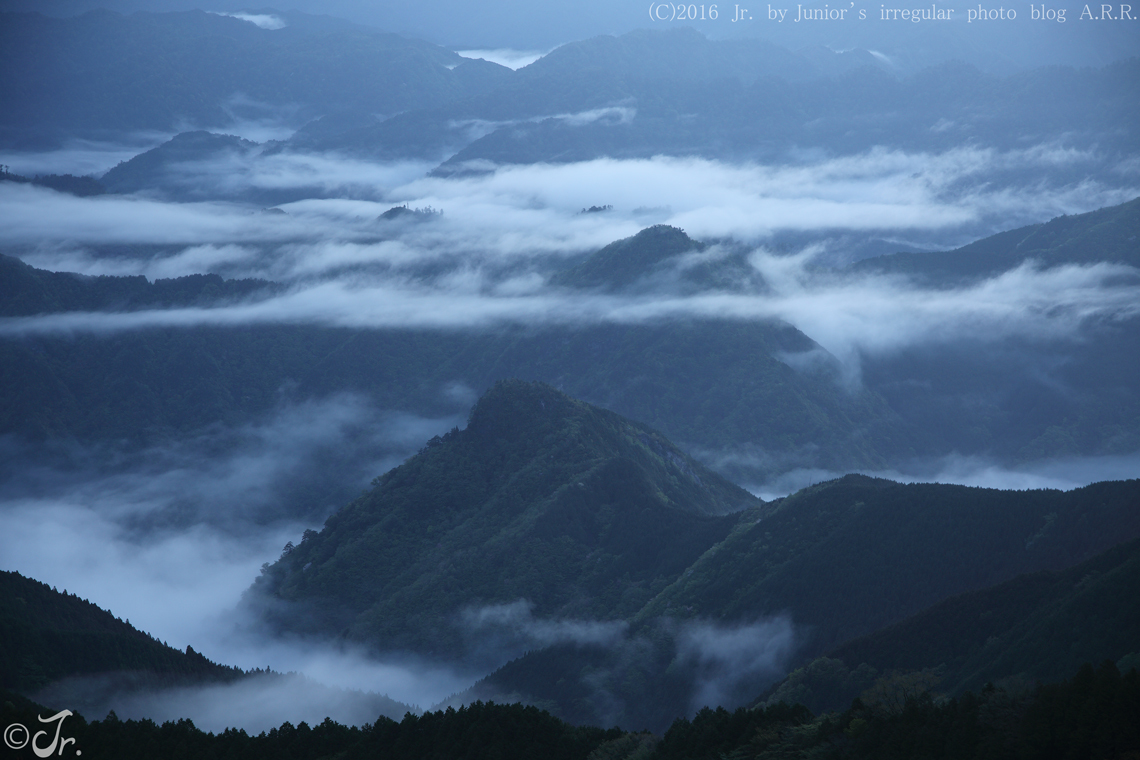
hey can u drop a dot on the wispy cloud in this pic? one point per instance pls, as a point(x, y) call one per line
point(517, 620)
point(261, 20)
point(169, 536)
point(533, 210)
point(728, 657)
point(848, 317)
point(512, 59)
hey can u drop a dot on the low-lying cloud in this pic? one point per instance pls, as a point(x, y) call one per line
point(517, 621)
point(169, 537)
point(512, 59)
point(257, 703)
point(486, 260)
point(730, 657)
point(221, 475)
point(849, 317)
point(533, 210)
point(261, 20)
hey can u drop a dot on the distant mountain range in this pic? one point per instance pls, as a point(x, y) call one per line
point(208, 69)
point(359, 91)
point(713, 385)
point(1110, 235)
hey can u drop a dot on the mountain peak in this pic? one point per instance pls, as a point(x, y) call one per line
point(513, 403)
point(623, 262)
point(542, 497)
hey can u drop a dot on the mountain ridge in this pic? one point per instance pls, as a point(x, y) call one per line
point(606, 507)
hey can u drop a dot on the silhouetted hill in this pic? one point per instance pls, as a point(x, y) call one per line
point(622, 263)
point(542, 498)
point(165, 167)
point(1089, 715)
point(50, 635)
point(64, 650)
point(25, 291)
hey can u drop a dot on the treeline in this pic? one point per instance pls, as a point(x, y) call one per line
point(27, 291)
point(1095, 714)
point(82, 186)
point(48, 636)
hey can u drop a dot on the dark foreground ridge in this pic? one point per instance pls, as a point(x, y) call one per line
point(49, 635)
point(1092, 715)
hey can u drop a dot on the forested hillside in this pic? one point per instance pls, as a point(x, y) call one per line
point(541, 498)
point(49, 635)
point(1034, 627)
point(1090, 715)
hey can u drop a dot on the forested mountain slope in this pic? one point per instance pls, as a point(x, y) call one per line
point(850, 556)
point(1037, 626)
point(1110, 235)
point(573, 509)
point(50, 635)
point(840, 559)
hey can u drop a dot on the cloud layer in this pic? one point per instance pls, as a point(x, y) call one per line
point(169, 538)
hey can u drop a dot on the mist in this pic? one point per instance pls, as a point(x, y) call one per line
point(486, 261)
point(169, 537)
point(169, 533)
point(533, 210)
point(732, 660)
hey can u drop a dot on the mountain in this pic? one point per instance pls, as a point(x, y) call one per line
point(760, 113)
point(1110, 235)
point(1036, 627)
point(170, 167)
point(754, 413)
point(667, 92)
point(850, 556)
point(677, 54)
point(63, 650)
point(623, 262)
point(840, 560)
point(1031, 398)
point(155, 71)
point(575, 510)
point(50, 635)
point(27, 291)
